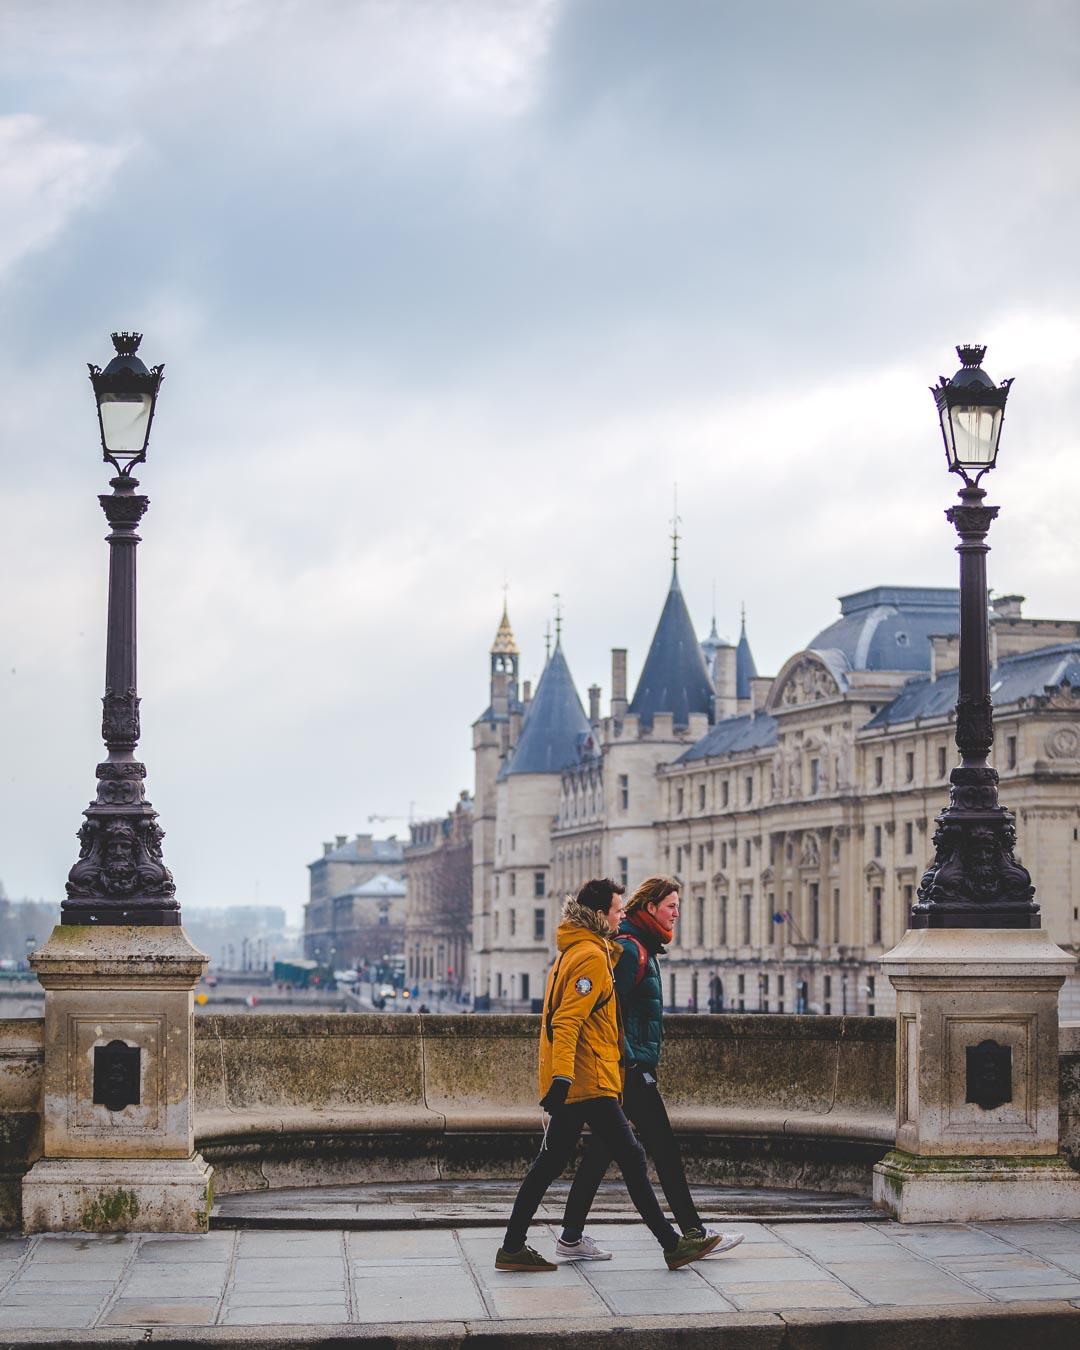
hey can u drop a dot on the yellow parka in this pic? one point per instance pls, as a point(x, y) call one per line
point(580, 1032)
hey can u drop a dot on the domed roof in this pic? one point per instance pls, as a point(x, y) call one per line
point(889, 627)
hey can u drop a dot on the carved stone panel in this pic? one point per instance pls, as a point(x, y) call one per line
point(143, 1112)
point(1064, 742)
point(807, 682)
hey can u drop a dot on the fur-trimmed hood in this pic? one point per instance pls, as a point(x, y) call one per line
point(584, 917)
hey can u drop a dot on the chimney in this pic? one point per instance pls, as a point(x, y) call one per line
point(618, 682)
point(724, 680)
point(327, 849)
point(759, 691)
point(500, 693)
point(340, 840)
point(1007, 606)
point(526, 696)
point(594, 704)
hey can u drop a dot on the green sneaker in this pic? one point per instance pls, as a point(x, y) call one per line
point(691, 1249)
point(526, 1259)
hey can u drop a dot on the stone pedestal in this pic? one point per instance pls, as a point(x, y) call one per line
point(977, 1078)
point(118, 1121)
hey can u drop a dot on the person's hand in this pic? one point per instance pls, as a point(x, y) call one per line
point(555, 1095)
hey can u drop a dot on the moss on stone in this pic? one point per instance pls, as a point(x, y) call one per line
point(898, 1162)
point(110, 1212)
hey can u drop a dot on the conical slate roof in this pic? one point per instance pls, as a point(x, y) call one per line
point(556, 733)
point(745, 669)
point(674, 678)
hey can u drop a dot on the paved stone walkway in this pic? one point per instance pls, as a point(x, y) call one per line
point(467, 1204)
point(339, 1278)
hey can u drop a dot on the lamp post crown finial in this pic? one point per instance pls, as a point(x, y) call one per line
point(971, 354)
point(126, 344)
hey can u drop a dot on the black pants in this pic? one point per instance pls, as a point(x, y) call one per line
point(645, 1107)
point(605, 1119)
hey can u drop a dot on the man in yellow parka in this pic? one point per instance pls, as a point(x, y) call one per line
point(581, 1079)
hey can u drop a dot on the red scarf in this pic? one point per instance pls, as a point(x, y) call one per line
point(649, 923)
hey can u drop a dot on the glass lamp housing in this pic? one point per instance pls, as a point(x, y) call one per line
point(126, 392)
point(971, 409)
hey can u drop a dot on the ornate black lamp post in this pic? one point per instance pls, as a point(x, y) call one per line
point(974, 880)
point(120, 877)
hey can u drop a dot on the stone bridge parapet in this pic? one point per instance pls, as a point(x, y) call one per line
point(309, 1099)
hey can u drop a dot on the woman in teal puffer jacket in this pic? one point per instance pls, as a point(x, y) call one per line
point(651, 914)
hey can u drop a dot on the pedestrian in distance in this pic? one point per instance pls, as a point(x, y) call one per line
point(581, 1081)
point(648, 926)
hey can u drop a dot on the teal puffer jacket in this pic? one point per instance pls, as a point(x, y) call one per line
point(642, 1003)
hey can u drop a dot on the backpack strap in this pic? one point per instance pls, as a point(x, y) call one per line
point(549, 1011)
point(642, 957)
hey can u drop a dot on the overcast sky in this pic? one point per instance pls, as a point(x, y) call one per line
point(451, 293)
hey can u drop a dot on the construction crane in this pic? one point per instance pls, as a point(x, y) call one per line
point(410, 818)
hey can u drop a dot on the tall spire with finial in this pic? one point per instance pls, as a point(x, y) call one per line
point(558, 619)
point(547, 641)
point(676, 521)
point(745, 667)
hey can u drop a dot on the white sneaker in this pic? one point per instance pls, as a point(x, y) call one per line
point(727, 1240)
point(583, 1250)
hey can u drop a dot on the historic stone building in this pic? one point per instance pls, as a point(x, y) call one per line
point(802, 829)
point(355, 914)
point(438, 910)
point(798, 811)
point(562, 795)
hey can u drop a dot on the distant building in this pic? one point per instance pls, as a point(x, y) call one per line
point(438, 911)
point(802, 830)
point(798, 812)
point(241, 937)
point(355, 915)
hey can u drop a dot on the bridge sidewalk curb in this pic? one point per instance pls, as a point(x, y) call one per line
point(966, 1327)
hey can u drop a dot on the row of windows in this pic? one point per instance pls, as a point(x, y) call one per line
point(942, 758)
point(725, 795)
point(539, 884)
point(539, 923)
point(516, 987)
point(780, 922)
point(700, 791)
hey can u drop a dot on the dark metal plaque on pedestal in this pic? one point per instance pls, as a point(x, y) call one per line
point(116, 1075)
point(989, 1074)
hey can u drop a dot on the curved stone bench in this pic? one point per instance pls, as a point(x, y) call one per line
point(286, 1100)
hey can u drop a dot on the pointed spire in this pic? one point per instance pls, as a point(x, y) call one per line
point(504, 643)
point(675, 677)
point(676, 521)
point(745, 668)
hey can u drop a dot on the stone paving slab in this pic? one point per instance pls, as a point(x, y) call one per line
point(289, 1279)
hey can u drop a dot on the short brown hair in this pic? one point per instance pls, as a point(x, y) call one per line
point(651, 892)
point(598, 893)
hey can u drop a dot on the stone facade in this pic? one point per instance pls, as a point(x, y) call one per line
point(356, 911)
point(798, 811)
point(438, 908)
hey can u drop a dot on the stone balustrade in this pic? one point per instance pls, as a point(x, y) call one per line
point(309, 1099)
